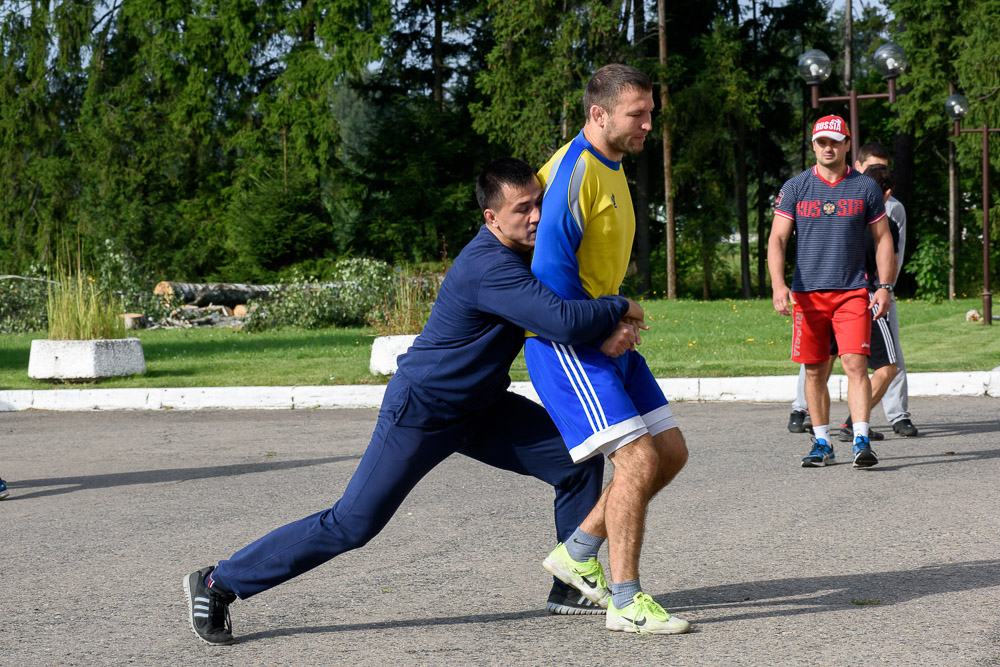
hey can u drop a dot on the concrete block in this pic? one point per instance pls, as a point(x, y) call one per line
point(385, 349)
point(525, 389)
point(85, 359)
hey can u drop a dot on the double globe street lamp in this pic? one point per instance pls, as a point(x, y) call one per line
point(814, 68)
point(956, 107)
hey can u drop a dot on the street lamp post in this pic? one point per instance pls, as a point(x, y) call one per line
point(956, 107)
point(814, 67)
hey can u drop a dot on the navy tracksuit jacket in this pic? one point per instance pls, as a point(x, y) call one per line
point(450, 395)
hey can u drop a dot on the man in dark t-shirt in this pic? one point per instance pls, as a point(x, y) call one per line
point(829, 207)
point(883, 358)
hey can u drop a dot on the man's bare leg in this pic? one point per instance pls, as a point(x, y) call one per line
point(594, 523)
point(859, 388)
point(859, 400)
point(642, 468)
point(881, 379)
point(817, 394)
point(818, 401)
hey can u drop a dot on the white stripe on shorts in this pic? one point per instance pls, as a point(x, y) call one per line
point(890, 349)
point(883, 326)
point(581, 386)
point(609, 440)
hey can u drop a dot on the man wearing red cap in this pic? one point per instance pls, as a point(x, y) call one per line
point(828, 207)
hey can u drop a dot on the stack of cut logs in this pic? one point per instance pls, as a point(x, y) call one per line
point(202, 304)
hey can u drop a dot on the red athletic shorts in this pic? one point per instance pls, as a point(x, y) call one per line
point(816, 314)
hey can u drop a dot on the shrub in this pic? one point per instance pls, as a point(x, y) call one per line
point(118, 273)
point(929, 266)
point(23, 302)
point(358, 285)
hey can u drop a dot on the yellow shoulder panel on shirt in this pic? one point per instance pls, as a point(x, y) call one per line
point(609, 228)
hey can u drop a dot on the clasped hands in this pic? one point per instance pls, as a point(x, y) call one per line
point(627, 334)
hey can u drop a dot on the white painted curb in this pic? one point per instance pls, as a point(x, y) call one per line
point(766, 389)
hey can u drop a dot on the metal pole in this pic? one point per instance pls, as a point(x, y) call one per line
point(848, 39)
point(854, 125)
point(952, 215)
point(987, 295)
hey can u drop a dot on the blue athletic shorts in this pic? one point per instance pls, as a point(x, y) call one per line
point(597, 403)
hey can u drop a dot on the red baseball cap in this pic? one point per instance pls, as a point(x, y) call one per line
point(833, 127)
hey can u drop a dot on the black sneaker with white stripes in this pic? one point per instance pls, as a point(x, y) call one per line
point(571, 602)
point(208, 609)
point(847, 432)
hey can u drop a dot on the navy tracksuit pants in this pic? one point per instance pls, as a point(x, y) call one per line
point(411, 438)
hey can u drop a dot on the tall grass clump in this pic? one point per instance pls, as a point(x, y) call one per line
point(78, 310)
point(405, 306)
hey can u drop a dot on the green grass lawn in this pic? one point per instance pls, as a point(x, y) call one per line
point(686, 339)
point(222, 358)
point(733, 338)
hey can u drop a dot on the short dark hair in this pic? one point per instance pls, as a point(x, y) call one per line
point(505, 171)
point(872, 149)
point(882, 175)
point(605, 88)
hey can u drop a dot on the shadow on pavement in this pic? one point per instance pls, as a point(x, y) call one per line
point(85, 482)
point(394, 625)
point(957, 456)
point(807, 595)
point(957, 429)
point(744, 601)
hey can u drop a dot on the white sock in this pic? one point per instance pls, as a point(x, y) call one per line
point(822, 432)
point(860, 428)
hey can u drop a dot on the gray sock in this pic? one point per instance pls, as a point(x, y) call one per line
point(583, 546)
point(622, 594)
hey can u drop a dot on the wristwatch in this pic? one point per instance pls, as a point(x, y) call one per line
point(885, 286)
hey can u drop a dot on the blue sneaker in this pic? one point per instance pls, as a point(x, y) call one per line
point(864, 457)
point(821, 454)
point(3, 490)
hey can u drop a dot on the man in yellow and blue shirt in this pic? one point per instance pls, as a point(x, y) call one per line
point(612, 407)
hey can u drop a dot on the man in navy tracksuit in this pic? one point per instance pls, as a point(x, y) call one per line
point(449, 395)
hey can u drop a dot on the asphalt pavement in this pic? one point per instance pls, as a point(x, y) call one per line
point(772, 563)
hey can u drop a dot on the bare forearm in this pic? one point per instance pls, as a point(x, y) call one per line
point(885, 258)
point(776, 262)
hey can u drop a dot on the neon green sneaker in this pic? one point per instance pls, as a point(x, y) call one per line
point(588, 577)
point(645, 617)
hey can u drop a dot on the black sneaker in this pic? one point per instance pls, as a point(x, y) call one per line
point(208, 609)
point(847, 432)
point(905, 428)
point(796, 421)
point(569, 601)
